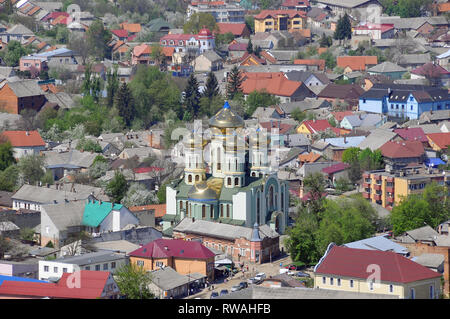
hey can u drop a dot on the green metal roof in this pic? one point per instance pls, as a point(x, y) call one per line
point(95, 212)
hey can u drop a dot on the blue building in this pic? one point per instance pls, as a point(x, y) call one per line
point(404, 101)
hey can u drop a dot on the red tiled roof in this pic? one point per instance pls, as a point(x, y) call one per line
point(335, 168)
point(403, 149)
point(293, 3)
point(339, 116)
point(92, 285)
point(268, 57)
point(274, 13)
point(412, 134)
point(375, 26)
point(442, 140)
point(319, 62)
point(309, 157)
point(273, 83)
point(283, 127)
point(248, 56)
point(54, 15)
point(139, 170)
point(160, 209)
point(236, 28)
point(131, 27)
point(356, 63)
point(315, 126)
point(353, 263)
point(21, 139)
point(121, 33)
point(238, 47)
point(163, 248)
point(430, 68)
point(444, 7)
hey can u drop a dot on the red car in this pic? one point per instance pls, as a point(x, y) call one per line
point(292, 267)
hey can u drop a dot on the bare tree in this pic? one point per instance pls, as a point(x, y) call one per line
point(80, 45)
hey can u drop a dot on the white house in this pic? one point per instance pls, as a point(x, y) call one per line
point(25, 142)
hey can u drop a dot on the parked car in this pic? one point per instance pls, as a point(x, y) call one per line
point(253, 280)
point(293, 267)
point(301, 274)
point(236, 288)
point(214, 295)
point(223, 292)
point(243, 284)
point(260, 276)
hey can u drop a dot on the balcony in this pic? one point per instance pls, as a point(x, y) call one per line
point(366, 185)
point(377, 177)
point(377, 187)
point(377, 196)
point(390, 199)
point(390, 189)
point(366, 195)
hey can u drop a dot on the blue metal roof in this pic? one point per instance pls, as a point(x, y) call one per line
point(14, 278)
point(380, 243)
point(434, 161)
point(351, 141)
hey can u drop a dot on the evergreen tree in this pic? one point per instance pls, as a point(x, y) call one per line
point(112, 87)
point(95, 89)
point(212, 86)
point(234, 84)
point(86, 87)
point(257, 51)
point(250, 47)
point(192, 96)
point(125, 104)
point(344, 28)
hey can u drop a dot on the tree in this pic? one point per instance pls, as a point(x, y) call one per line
point(5, 246)
point(314, 185)
point(97, 38)
point(234, 85)
point(14, 52)
point(31, 169)
point(62, 34)
point(212, 86)
point(124, 102)
point(80, 45)
point(87, 82)
point(27, 234)
point(117, 187)
point(6, 155)
point(259, 99)
point(326, 41)
point(224, 38)
point(330, 60)
point(134, 281)
point(138, 195)
point(95, 89)
point(298, 115)
point(199, 20)
point(249, 47)
point(112, 86)
point(157, 55)
point(9, 179)
point(343, 28)
point(192, 96)
point(250, 23)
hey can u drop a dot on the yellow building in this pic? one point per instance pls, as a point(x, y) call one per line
point(377, 272)
point(387, 189)
point(279, 20)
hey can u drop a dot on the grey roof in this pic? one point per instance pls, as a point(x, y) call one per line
point(63, 99)
point(430, 260)
point(71, 159)
point(6, 71)
point(49, 5)
point(439, 115)
point(263, 112)
point(138, 236)
point(442, 240)
point(344, 3)
point(423, 233)
point(413, 23)
point(19, 29)
point(214, 229)
point(25, 88)
point(91, 258)
point(66, 214)
point(428, 128)
point(46, 195)
point(283, 55)
point(364, 120)
point(345, 142)
point(380, 243)
point(8, 226)
point(306, 104)
point(386, 67)
point(377, 138)
point(168, 279)
point(406, 59)
point(261, 292)
point(116, 245)
point(212, 56)
point(41, 14)
point(42, 251)
point(297, 140)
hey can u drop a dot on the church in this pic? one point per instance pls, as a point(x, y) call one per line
point(238, 187)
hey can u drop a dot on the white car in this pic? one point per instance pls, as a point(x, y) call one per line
point(260, 276)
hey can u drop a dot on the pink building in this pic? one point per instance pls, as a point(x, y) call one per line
point(29, 63)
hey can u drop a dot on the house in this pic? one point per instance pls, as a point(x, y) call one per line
point(237, 50)
point(309, 158)
point(100, 217)
point(159, 26)
point(362, 121)
point(299, 5)
point(305, 105)
point(434, 262)
point(309, 78)
point(95, 285)
point(334, 147)
point(432, 116)
point(120, 34)
point(376, 31)
point(349, 269)
point(64, 163)
point(264, 113)
point(25, 142)
point(251, 59)
point(102, 260)
point(198, 43)
point(377, 138)
point(411, 61)
point(439, 141)
point(283, 129)
point(268, 20)
point(335, 172)
point(400, 154)
point(379, 243)
point(356, 63)
point(388, 69)
point(276, 84)
point(136, 235)
point(18, 33)
point(312, 127)
point(20, 95)
point(435, 74)
point(183, 256)
point(242, 244)
point(349, 93)
point(281, 280)
point(222, 11)
point(141, 54)
point(237, 29)
point(403, 100)
point(140, 152)
point(311, 64)
point(412, 134)
point(208, 61)
point(425, 234)
point(148, 214)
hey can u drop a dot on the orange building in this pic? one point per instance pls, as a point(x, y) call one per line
point(20, 95)
point(185, 257)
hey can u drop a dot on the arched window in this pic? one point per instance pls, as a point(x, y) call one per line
point(253, 174)
point(181, 205)
point(190, 178)
point(237, 169)
point(219, 167)
point(236, 181)
point(228, 211)
point(229, 181)
point(282, 200)
point(271, 196)
point(203, 211)
point(197, 178)
point(258, 210)
point(221, 210)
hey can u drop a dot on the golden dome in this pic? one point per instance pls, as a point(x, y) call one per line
point(193, 140)
point(226, 118)
point(258, 139)
point(201, 191)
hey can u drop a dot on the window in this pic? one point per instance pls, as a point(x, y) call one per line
point(113, 265)
point(431, 292)
point(159, 264)
point(339, 281)
point(228, 211)
point(324, 280)
point(105, 266)
point(371, 285)
point(351, 283)
point(332, 281)
point(140, 262)
point(45, 268)
point(413, 293)
point(64, 269)
point(87, 268)
point(411, 107)
point(391, 288)
point(97, 267)
point(55, 269)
